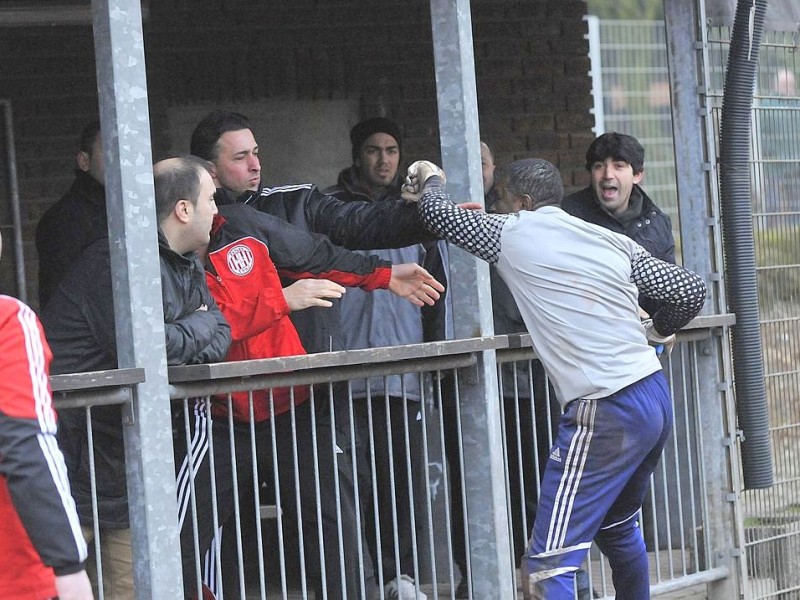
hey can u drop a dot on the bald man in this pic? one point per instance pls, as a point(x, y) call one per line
point(79, 323)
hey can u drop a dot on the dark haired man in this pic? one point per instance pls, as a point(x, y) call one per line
point(226, 139)
point(615, 200)
point(83, 207)
point(576, 286)
point(80, 327)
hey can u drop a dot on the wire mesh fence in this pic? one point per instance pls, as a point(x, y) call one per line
point(636, 100)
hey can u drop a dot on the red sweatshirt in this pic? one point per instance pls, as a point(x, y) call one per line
point(246, 285)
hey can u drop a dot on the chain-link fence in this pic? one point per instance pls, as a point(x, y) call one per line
point(635, 96)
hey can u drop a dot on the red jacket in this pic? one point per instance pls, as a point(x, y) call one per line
point(248, 253)
point(38, 522)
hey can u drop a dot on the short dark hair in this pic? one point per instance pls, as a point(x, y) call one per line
point(616, 146)
point(88, 136)
point(208, 131)
point(535, 177)
point(179, 181)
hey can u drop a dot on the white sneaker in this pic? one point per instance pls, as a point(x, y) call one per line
point(403, 588)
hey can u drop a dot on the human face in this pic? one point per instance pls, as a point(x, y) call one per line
point(92, 162)
point(613, 181)
point(507, 202)
point(237, 167)
point(202, 213)
point(487, 168)
point(378, 160)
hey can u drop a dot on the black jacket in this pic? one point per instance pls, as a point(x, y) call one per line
point(349, 189)
point(651, 229)
point(353, 225)
point(79, 324)
point(67, 228)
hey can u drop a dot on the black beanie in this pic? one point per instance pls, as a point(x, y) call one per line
point(361, 131)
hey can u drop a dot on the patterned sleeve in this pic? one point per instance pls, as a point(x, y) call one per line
point(476, 232)
point(680, 291)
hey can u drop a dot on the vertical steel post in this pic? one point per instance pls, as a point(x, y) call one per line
point(700, 242)
point(132, 225)
point(490, 545)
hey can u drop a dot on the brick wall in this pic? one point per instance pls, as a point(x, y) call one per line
point(530, 59)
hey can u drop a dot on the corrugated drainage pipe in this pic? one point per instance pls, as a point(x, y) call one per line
point(739, 247)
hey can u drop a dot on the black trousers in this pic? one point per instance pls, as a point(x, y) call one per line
point(393, 419)
point(308, 471)
point(201, 446)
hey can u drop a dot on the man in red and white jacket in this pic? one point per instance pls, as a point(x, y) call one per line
point(41, 546)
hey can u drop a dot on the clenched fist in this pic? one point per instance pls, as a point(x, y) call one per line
point(418, 174)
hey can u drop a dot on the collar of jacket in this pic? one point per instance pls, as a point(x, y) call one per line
point(168, 253)
point(89, 188)
point(634, 210)
point(350, 182)
point(223, 196)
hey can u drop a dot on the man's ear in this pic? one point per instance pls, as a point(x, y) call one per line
point(182, 210)
point(83, 161)
point(212, 170)
point(637, 178)
point(525, 202)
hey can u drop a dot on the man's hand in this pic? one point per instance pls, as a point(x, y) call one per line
point(311, 292)
point(415, 284)
point(662, 343)
point(418, 174)
point(74, 587)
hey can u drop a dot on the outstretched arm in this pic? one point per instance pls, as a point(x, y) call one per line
point(476, 232)
point(415, 284)
point(305, 293)
point(298, 254)
point(390, 223)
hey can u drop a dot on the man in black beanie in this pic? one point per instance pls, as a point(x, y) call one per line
point(377, 321)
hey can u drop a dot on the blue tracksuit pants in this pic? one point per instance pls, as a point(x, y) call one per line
point(593, 487)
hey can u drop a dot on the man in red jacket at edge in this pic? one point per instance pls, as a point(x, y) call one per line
point(41, 546)
point(248, 253)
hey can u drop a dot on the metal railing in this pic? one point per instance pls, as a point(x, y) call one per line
point(323, 473)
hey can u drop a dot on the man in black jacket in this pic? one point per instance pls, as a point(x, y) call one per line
point(615, 200)
point(80, 327)
point(83, 207)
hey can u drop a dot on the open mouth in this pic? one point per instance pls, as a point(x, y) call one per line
point(609, 191)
